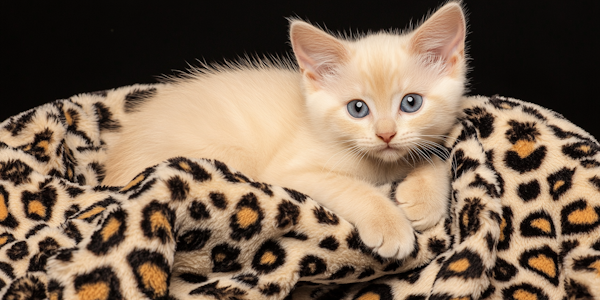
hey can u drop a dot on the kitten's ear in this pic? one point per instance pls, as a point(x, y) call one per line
point(442, 35)
point(317, 52)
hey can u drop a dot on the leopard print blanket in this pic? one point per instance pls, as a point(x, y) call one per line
point(523, 223)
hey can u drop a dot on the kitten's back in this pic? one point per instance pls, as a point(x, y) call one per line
point(241, 115)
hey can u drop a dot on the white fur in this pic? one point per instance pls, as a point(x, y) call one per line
point(291, 128)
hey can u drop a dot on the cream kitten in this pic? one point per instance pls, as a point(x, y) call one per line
point(341, 124)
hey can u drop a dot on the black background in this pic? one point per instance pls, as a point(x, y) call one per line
point(546, 52)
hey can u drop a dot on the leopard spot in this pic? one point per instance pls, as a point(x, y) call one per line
point(133, 182)
point(459, 265)
point(524, 148)
point(92, 212)
point(369, 296)
point(583, 216)
point(542, 224)
point(110, 229)
point(153, 277)
point(543, 264)
point(246, 217)
point(543, 261)
point(36, 207)
point(93, 291)
point(524, 295)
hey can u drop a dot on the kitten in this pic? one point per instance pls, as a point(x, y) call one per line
point(351, 117)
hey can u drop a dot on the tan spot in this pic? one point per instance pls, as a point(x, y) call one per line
point(312, 267)
point(153, 278)
point(69, 118)
point(94, 211)
point(524, 148)
point(596, 265)
point(110, 229)
point(543, 264)
point(36, 207)
point(502, 227)
point(3, 208)
point(465, 219)
point(461, 298)
point(583, 216)
point(369, 296)
point(185, 166)
point(557, 185)
point(460, 265)
point(3, 240)
point(268, 258)
point(132, 183)
point(220, 257)
point(521, 294)
point(542, 224)
point(246, 217)
point(27, 148)
point(69, 173)
point(505, 106)
point(585, 148)
point(43, 144)
point(94, 291)
point(53, 296)
point(159, 220)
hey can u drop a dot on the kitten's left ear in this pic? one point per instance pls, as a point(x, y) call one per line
point(318, 53)
point(442, 35)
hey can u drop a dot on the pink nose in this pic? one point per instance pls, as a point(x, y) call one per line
point(387, 136)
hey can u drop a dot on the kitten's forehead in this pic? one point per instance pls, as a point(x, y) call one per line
point(384, 67)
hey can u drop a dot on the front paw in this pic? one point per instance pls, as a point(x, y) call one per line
point(424, 214)
point(389, 233)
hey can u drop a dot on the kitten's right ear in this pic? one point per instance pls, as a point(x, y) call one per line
point(318, 53)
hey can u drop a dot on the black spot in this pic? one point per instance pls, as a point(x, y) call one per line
point(99, 170)
point(482, 120)
point(103, 277)
point(148, 266)
point(179, 188)
point(463, 164)
point(105, 121)
point(566, 247)
point(329, 243)
point(15, 171)
point(506, 228)
point(7, 269)
point(469, 222)
point(416, 297)
point(596, 245)
point(488, 187)
point(137, 97)
point(247, 278)
point(66, 254)
point(529, 163)
point(218, 200)
point(560, 182)
point(8, 220)
point(513, 292)
point(106, 238)
point(504, 271)
point(40, 147)
point(288, 214)
point(158, 221)
point(270, 289)
point(39, 206)
point(265, 188)
point(55, 290)
point(546, 263)
point(538, 224)
point(296, 235)
point(488, 292)
point(366, 273)
point(221, 167)
point(269, 257)
point(436, 246)
point(297, 196)
point(139, 191)
point(29, 287)
point(17, 123)
point(193, 278)
point(529, 191)
point(6, 238)
point(578, 217)
point(18, 251)
point(325, 217)
point(211, 289)
point(72, 210)
point(580, 150)
point(335, 292)
point(411, 276)
point(342, 272)
point(490, 242)
point(246, 221)
point(589, 163)
point(193, 240)
point(466, 264)
point(224, 258)
point(393, 266)
point(183, 164)
point(577, 290)
point(72, 231)
point(198, 211)
point(534, 112)
point(384, 291)
point(502, 104)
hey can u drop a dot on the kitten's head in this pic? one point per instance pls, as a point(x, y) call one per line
point(385, 93)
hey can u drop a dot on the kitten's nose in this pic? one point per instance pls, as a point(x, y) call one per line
point(387, 136)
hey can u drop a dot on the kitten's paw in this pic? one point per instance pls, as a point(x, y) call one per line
point(424, 215)
point(389, 233)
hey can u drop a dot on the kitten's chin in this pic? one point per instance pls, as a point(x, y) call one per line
point(389, 154)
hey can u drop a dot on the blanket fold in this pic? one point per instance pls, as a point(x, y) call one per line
point(523, 221)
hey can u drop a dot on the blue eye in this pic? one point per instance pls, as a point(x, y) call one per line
point(358, 109)
point(411, 103)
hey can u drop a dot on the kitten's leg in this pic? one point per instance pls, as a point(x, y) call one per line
point(381, 223)
point(423, 195)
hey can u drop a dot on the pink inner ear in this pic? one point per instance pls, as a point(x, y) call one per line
point(443, 34)
point(316, 51)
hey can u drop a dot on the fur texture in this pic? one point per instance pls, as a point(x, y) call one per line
point(291, 127)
